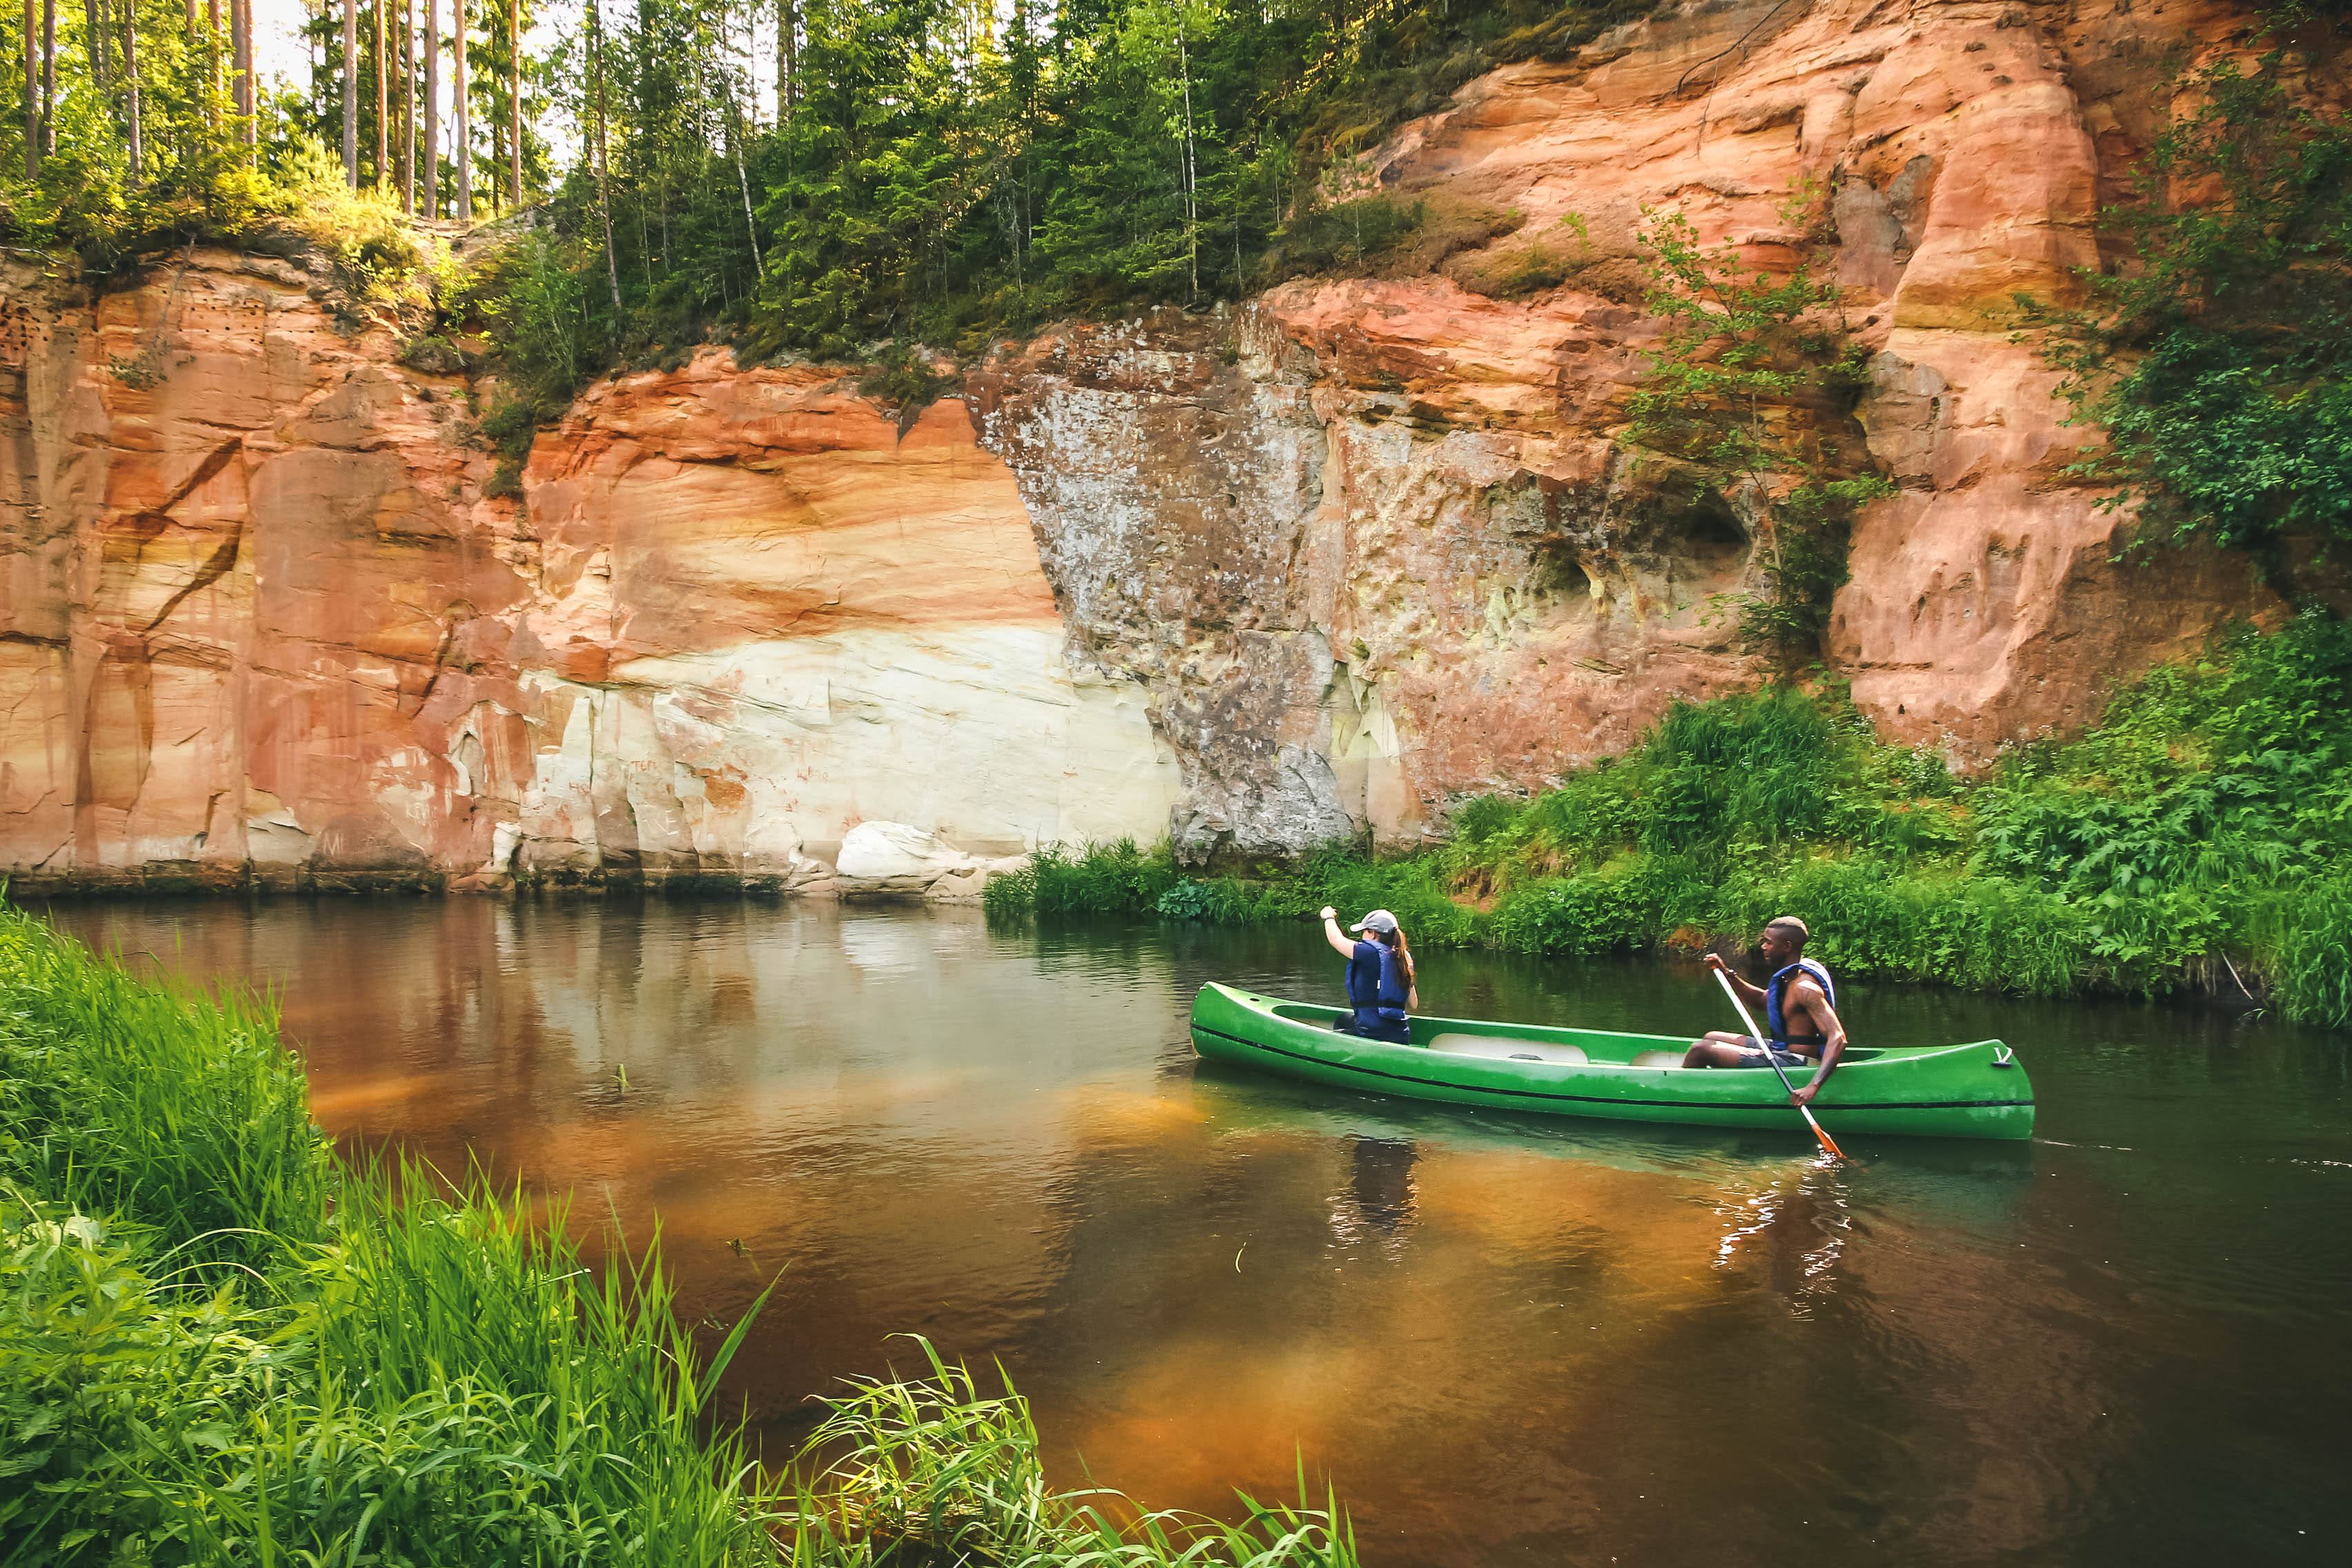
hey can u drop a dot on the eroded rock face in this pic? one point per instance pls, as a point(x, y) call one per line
point(261, 622)
point(1373, 543)
point(1258, 577)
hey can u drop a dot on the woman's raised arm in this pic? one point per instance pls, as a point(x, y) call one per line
point(1340, 942)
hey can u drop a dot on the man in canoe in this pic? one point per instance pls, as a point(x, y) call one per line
point(1800, 1012)
point(1380, 977)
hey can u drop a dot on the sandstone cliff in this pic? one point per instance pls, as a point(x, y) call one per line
point(1259, 575)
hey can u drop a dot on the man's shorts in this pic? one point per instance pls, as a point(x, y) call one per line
point(1752, 1053)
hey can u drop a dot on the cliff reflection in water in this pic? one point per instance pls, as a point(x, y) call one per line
point(1500, 1339)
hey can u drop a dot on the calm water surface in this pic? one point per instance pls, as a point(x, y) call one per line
point(1504, 1340)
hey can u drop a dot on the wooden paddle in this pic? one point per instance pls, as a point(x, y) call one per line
point(1755, 1034)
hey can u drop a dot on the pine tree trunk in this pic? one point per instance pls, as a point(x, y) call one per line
point(429, 177)
point(93, 43)
point(788, 59)
point(48, 77)
point(461, 129)
point(407, 106)
point(1192, 185)
point(212, 62)
point(32, 90)
point(383, 105)
point(603, 185)
point(131, 82)
point(241, 24)
point(743, 181)
point(351, 93)
point(514, 100)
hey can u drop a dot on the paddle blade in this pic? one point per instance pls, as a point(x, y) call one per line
point(1828, 1145)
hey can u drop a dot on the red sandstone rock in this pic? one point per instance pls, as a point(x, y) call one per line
point(1328, 558)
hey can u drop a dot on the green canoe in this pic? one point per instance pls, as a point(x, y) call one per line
point(1977, 1091)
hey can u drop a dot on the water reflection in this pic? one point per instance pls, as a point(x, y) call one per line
point(1503, 1337)
point(1378, 1203)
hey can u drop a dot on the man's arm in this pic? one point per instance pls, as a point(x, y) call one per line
point(1754, 995)
point(1825, 1021)
point(1341, 943)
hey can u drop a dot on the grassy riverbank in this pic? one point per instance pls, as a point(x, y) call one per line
point(2198, 838)
point(219, 1344)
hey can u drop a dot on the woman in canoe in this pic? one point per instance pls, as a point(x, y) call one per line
point(1380, 977)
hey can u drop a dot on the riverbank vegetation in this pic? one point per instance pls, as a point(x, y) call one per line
point(2198, 837)
point(220, 1344)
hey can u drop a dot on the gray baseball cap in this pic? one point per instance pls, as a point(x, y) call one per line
point(1378, 920)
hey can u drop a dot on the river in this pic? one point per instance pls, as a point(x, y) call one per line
point(1502, 1339)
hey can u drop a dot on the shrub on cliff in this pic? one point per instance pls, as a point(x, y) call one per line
point(2219, 361)
point(1748, 398)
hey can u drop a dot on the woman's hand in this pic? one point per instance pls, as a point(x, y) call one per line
point(1330, 913)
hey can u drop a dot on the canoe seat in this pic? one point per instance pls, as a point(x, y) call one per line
point(1657, 1059)
point(1459, 1044)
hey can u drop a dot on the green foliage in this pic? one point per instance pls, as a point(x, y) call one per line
point(214, 1346)
point(1382, 235)
point(511, 428)
point(533, 294)
point(936, 1470)
point(2304, 936)
point(938, 183)
point(196, 177)
point(2194, 838)
point(1877, 916)
point(1205, 902)
point(438, 1384)
point(2219, 361)
point(1748, 395)
point(1060, 882)
point(166, 1108)
point(433, 354)
point(1610, 911)
point(1544, 261)
point(907, 384)
point(2225, 774)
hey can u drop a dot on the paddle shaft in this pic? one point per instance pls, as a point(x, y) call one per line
point(1774, 1062)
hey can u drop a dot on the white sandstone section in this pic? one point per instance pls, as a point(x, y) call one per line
point(763, 757)
point(766, 614)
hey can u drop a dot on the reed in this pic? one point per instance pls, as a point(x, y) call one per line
point(220, 1345)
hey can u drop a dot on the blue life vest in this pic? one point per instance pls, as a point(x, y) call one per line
point(1376, 981)
point(1778, 987)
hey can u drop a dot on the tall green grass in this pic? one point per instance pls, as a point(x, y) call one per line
point(2192, 840)
point(218, 1346)
point(937, 1472)
point(146, 1100)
